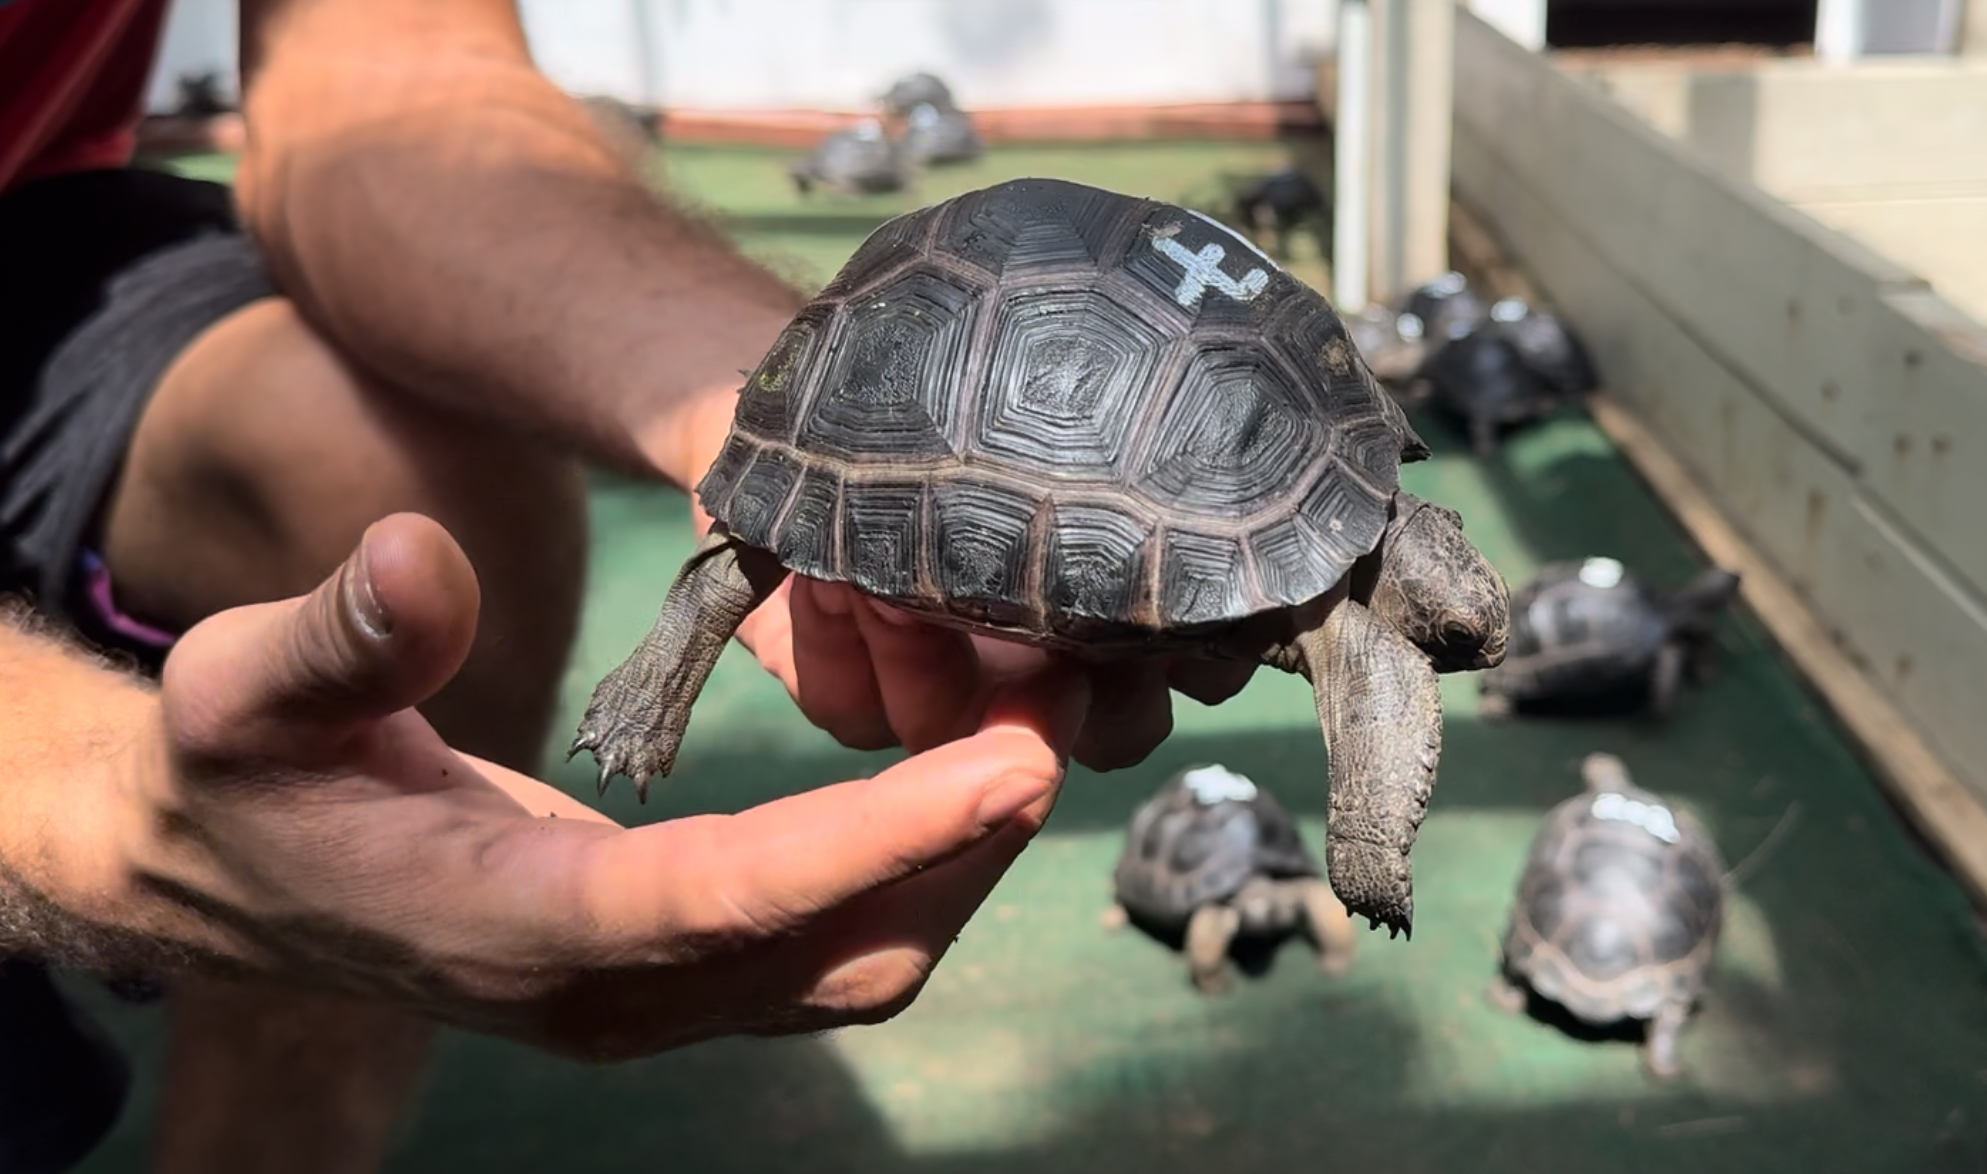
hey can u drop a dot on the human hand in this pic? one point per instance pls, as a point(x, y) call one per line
point(289, 815)
point(874, 676)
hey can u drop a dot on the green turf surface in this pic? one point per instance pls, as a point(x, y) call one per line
point(1844, 1029)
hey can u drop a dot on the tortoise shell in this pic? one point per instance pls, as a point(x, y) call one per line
point(1199, 839)
point(1075, 415)
point(1619, 907)
point(1594, 620)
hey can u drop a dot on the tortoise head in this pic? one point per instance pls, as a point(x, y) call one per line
point(1604, 772)
point(1437, 589)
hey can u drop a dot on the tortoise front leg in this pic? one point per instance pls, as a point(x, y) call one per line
point(1659, 1053)
point(1381, 710)
point(1209, 935)
point(635, 721)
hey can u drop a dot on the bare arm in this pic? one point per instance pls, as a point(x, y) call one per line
point(72, 723)
point(461, 228)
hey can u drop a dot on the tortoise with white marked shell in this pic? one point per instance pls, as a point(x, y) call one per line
point(858, 161)
point(1589, 635)
point(1107, 426)
point(1618, 911)
point(1214, 857)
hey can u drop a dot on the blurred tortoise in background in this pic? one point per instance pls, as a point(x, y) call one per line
point(1588, 636)
point(1213, 857)
point(858, 161)
point(1106, 426)
point(1618, 912)
point(913, 90)
point(936, 137)
point(1280, 202)
point(1513, 366)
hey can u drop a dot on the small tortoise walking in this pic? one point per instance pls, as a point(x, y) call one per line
point(1104, 425)
point(1618, 911)
point(1217, 857)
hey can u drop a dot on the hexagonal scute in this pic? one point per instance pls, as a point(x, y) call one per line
point(899, 360)
point(1069, 376)
point(980, 541)
point(880, 525)
point(1309, 334)
point(1040, 224)
point(1294, 565)
point(772, 396)
point(895, 244)
point(1208, 274)
point(760, 494)
point(1234, 436)
point(1375, 448)
point(806, 537)
point(714, 489)
point(1094, 563)
point(1346, 514)
point(1200, 580)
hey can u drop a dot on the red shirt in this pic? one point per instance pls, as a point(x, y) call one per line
point(72, 83)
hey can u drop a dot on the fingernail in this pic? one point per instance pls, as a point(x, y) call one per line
point(362, 601)
point(1008, 797)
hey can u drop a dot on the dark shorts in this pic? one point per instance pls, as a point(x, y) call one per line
point(105, 277)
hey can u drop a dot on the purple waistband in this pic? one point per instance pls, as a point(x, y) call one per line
point(97, 590)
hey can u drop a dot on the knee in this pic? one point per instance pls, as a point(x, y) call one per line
point(264, 456)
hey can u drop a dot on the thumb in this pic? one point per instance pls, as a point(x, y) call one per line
point(289, 680)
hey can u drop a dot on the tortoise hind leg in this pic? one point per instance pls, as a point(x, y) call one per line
point(1381, 710)
point(1329, 925)
point(1209, 935)
point(1666, 679)
point(1659, 1053)
point(635, 720)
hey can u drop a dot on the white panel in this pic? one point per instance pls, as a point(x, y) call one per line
point(199, 38)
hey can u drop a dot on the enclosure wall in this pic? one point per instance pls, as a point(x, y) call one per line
point(1832, 404)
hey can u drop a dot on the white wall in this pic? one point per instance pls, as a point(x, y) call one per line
point(838, 54)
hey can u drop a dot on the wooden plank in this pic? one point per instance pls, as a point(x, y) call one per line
point(1950, 816)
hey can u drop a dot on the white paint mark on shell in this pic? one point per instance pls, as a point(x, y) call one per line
point(1215, 784)
point(1653, 818)
point(1601, 572)
point(1203, 270)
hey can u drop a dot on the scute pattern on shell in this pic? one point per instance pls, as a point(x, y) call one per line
point(1181, 854)
point(1611, 922)
point(1072, 412)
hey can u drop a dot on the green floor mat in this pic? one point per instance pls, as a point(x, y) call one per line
point(1844, 1029)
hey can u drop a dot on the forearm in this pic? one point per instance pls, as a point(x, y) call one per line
point(461, 229)
point(72, 724)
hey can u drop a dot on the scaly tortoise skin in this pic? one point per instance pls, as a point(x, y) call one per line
point(1105, 425)
point(1618, 911)
point(1213, 856)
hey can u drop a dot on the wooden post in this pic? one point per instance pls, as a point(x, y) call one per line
point(1353, 157)
point(1412, 115)
point(1838, 31)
